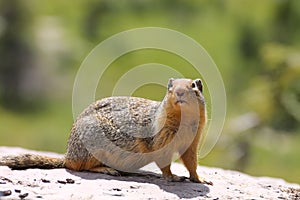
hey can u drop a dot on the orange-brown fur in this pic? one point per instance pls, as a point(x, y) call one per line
point(177, 126)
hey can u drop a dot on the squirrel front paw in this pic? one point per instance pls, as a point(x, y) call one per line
point(175, 178)
point(200, 180)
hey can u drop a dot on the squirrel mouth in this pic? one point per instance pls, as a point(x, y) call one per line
point(180, 102)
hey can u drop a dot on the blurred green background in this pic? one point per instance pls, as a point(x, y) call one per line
point(254, 43)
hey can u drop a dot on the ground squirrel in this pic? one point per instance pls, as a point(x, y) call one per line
point(118, 134)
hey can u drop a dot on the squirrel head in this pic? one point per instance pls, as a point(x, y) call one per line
point(185, 93)
point(195, 84)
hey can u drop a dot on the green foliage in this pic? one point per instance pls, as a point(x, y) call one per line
point(254, 43)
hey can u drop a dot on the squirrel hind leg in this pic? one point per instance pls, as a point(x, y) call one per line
point(91, 165)
point(82, 164)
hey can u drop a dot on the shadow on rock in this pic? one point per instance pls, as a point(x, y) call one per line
point(185, 189)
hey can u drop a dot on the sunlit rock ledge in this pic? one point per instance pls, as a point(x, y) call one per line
point(65, 184)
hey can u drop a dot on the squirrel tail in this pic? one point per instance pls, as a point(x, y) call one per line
point(26, 161)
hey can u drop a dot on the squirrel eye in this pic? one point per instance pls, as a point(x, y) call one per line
point(198, 82)
point(193, 85)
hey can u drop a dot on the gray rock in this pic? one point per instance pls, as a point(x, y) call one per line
point(147, 184)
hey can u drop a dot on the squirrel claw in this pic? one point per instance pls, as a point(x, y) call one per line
point(105, 170)
point(208, 183)
point(202, 181)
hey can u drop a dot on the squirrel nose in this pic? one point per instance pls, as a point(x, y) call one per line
point(180, 93)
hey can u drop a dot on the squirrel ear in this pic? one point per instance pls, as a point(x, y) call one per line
point(170, 83)
point(198, 82)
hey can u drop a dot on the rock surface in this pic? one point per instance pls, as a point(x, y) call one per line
point(66, 184)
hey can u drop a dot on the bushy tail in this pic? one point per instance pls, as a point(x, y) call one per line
point(26, 161)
